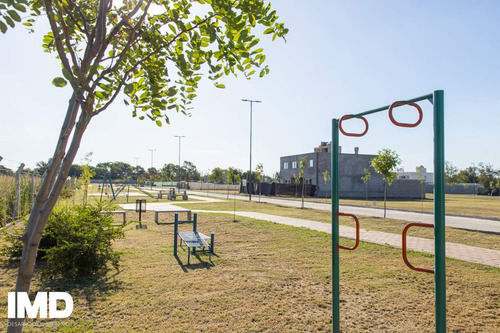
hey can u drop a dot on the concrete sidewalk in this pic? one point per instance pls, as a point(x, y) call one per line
point(467, 253)
point(469, 223)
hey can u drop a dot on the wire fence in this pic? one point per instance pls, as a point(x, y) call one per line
point(17, 195)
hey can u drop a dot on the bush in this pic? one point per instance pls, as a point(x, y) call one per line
point(77, 242)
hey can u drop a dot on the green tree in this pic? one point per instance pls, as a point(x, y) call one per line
point(216, 175)
point(232, 175)
point(367, 176)
point(42, 166)
point(326, 178)
point(85, 176)
point(421, 179)
point(487, 174)
point(468, 175)
point(259, 172)
point(450, 173)
point(302, 163)
point(237, 179)
point(386, 164)
point(277, 177)
point(190, 171)
point(154, 59)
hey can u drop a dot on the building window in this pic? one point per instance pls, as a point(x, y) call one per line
point(311, 163)
point(308, 181)
point(294, 165)
point(285, 165)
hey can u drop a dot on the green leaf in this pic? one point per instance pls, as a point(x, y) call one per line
point(268, 31)
point(220, 85)
point(159, 123)
point(3, 27)
point(59, 82)
point(15, 16)
point(9, 21)
point(129, 88)
point(67, 74)
point(101, 95)
point(19, 7)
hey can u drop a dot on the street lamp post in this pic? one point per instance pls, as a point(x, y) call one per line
point(250, 175)
point(152, 150)
point(179, 178)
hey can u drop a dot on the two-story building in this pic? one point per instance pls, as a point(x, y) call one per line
point(351, 170)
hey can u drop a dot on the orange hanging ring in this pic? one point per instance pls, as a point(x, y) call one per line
point(353, 134)
point(401, 103)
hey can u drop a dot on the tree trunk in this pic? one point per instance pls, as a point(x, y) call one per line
point(385, 197)
point(366, 188)
point(51, 187)
point(302, 193)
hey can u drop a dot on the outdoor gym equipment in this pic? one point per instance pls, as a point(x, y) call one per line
point(439, 271)
point(192, 239)
point(140, 206)
point(107, 177)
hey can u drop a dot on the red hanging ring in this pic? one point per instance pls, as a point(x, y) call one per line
point(403, 247)
point(400, 103)
point(353, 134)
point(357, 232)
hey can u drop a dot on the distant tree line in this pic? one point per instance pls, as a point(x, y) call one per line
point(233, 175)
point(482, 173)
point(122, 171)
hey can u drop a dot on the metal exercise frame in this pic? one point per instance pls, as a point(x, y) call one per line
point(437, 99)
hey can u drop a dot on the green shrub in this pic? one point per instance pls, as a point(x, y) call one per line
point(77, 242)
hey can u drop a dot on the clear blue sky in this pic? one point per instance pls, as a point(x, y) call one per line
point(340, 57)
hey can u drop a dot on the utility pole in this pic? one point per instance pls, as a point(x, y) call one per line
point(137, 161)
point(179, 178)
point(250, 175)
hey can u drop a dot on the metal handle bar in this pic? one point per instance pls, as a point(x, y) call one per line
point(357, 232)
point(401, 103)
point(405, 259)
point(353, 134)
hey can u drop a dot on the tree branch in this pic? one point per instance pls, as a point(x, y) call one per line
point(57, 36)
point(84, 21)
point(130, 41)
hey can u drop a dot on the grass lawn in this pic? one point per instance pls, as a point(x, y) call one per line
point(266, 278)
point(453, 235)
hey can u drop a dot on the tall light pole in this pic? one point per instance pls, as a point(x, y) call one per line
point(180, 137)
point(152, 150)
point(250, 175)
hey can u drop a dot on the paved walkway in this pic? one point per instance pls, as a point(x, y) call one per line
point(468, 223)
point(472, 254)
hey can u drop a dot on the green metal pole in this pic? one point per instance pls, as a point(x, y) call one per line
point(335, 227)
point(439, 213)
point(111, 185)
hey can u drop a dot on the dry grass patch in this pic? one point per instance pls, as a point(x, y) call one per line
point(266, 278)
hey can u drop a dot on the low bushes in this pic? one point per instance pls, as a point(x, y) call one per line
point(77, 242)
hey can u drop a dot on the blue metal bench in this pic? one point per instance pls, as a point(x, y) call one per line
point(192, 239)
